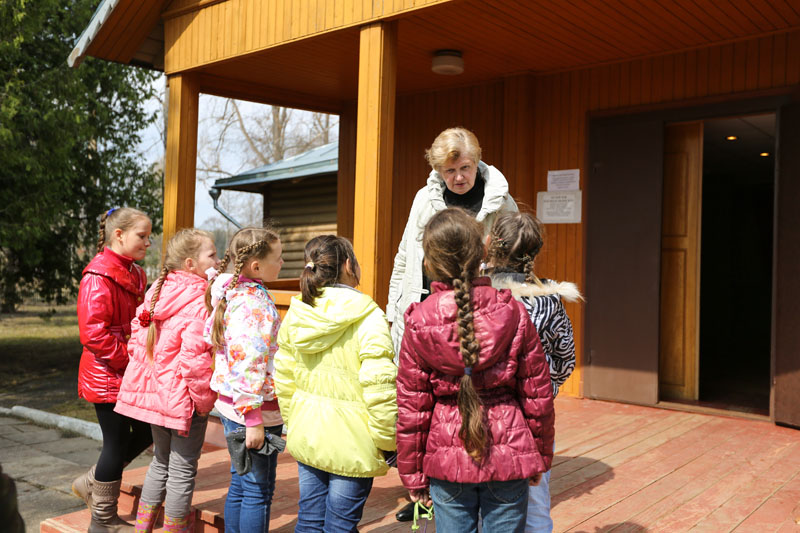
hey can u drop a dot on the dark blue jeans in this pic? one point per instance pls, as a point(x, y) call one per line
point(330, 503)
point(502, 506)
point(250, 496)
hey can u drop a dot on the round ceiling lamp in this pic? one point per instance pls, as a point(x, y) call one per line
point(447, 62)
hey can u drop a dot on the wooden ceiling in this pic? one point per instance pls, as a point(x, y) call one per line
point(497, 38)
point(502, 37)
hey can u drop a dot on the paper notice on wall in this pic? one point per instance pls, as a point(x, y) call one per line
point(559, 207)
point(563, 180)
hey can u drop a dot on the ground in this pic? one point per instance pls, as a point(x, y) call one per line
point(39, 355)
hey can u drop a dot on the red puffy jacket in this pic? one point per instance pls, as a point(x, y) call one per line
point(111, 288)
point(511, 376)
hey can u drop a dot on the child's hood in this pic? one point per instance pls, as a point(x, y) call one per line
point(519, 288)
point(180, 288)
point(314, 329)
point(433, 332)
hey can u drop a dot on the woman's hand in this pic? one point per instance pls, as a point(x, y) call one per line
point(535, 480)
point(254, 437)
point(423, 496)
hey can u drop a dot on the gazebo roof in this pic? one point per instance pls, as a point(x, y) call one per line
point(315, 162)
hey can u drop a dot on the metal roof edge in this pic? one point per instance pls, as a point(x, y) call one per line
point(225, 183)
point(99, 18)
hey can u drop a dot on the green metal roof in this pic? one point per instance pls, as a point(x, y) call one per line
point(316, 162)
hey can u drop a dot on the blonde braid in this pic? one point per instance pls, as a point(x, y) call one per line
point(151, 331)
point(223, 266)
point(101, 241)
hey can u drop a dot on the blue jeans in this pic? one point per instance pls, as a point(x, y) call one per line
point(329, 502)
point(250, 496)
point(501, 504)
point(539, 520)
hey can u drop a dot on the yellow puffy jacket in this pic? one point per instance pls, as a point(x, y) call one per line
point(335, 382)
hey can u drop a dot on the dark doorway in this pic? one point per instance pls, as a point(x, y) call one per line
point(736, 262)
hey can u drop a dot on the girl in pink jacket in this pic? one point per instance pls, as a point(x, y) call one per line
point(167, 380)
point(475, 404)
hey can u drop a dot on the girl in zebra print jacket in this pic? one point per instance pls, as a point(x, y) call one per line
point(513, 244)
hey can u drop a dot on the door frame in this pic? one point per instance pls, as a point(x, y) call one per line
point(697, 110)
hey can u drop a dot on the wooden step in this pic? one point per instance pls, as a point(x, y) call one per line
point(387, 497)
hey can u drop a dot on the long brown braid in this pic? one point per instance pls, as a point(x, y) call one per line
point(515, 241)
point(246, 244)
point(453, 252)
point(183, 245)
point(122, 218)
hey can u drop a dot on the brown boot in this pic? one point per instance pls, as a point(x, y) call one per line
point(82, 487)
point(104, 509)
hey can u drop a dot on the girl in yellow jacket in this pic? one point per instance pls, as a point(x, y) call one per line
point(335, 382)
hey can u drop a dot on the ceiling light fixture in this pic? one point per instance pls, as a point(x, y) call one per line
point(764, 154)
point(447, 62)
point(731, 137)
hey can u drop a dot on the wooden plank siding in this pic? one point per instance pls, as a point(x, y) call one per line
point(530, 124)
point(234, 28)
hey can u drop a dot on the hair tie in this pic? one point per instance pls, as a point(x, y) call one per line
point(144, 318)
point(211, 273)
point(468, 371)
point(311, 265)
point(108, 213)
point(500, 242)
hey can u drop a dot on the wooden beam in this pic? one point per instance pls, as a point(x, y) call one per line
point(377, 77)
point(347, 172)
point(181, 154)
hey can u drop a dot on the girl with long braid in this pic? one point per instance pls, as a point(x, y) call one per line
point(167, 380)
point(243, 329)
point(475, 405)
point(111, 287)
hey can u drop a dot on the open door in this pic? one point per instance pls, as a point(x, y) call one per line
point(623, 259)
point(680, 262)
point(786, 368)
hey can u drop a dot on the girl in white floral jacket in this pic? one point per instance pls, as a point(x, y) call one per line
point(243, 328)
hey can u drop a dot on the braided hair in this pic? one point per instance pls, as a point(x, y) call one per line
point(453, 250)
point(246, 244)
point(184, 244)
point(515, 241)
point(123, 218)
point(325, 258)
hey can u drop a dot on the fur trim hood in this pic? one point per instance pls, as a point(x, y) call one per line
point(515, 282)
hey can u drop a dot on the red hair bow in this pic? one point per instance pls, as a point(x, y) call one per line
point(145, 318)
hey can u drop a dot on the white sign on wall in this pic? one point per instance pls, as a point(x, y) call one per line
point(564, 180)
point(559, 207)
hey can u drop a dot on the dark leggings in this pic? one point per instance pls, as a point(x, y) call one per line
point(123, 440)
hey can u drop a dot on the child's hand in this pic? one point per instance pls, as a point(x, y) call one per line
point(423, 496)
point(535, 480)
point(254, 437)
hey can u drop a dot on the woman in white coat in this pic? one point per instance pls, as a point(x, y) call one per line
point(458, 179)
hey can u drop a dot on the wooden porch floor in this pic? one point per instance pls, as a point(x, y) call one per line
point(618, 468)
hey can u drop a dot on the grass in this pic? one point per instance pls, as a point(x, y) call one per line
point(39, 355)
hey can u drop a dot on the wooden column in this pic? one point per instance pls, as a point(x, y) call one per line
point(377, 71)
point(181, 154)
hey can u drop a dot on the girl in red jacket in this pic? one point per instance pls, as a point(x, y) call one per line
point(475, 404)
point(167, 380)
point(111, 288)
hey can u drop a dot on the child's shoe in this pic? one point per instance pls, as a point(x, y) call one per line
point(183, 524)
point(105, 519)
point(82, 487)
point(146, 517)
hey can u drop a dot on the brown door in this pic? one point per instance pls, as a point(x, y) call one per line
point(680, 262)
point(786, 317)
point(623, 259)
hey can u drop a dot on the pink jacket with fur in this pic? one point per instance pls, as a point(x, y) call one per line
point(175, 384)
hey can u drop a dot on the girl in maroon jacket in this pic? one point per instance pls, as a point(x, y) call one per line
point(111, 288)
point(475, 404)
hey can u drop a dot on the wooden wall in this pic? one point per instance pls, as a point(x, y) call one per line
point(530, 124)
